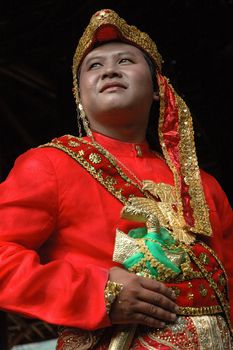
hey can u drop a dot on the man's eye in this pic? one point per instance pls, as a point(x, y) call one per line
point(94, 65)
point(126, 60)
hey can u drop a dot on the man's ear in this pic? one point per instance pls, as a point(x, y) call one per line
point(156, 96)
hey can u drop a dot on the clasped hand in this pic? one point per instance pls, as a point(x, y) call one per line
point(142, 301)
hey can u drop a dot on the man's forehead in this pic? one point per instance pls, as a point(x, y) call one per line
point(113, 47)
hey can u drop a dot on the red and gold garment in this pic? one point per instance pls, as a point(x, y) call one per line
point(192, 333)
point(58, 228)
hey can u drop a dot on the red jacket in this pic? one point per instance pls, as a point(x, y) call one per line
point(57, 231)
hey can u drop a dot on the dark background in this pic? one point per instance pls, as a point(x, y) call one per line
point(37, 42)
point(38, 39)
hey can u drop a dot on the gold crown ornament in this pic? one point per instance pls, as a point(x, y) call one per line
point(106, 25)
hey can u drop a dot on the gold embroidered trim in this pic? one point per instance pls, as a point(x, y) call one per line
point(189, 164)
point(213, 333)
point(124, 247)
point(167, 207)
point(200, 311)
point(192, 332)
point(219, 262)
point(204, 258)
point(164, 273)
point(158, 340)
point(190, 169)
point(79, 157)
point(78, 339)
point(122, 337)
point(109, 157)
point(108, 182)
point(212, 283)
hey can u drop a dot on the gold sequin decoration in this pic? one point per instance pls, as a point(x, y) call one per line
point(213, 284)
point(189, 164)
point(222, 280)
point(199, 311)
point(124, 247)
point(193, 333)
point(213, 333)
point(129, 34)
point(204, 258)
point(73, 143)
point(164, 273)
point(95, 158)
point(81, 153)
point(138, 150)
point(203, 291)
point(176, 291)
point(219, 262)
point(190, 296)
point(75, 338)
point(111, 180)
point(108, 182)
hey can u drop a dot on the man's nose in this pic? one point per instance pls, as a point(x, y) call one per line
point(111, 71)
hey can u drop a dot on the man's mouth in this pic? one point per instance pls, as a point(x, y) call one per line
point(111, 86)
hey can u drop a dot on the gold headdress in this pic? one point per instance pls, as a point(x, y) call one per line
point(175, 122)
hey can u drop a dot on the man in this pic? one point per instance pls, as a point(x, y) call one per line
point(107, 237)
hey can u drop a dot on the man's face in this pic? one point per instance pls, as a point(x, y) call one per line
point(115, 80)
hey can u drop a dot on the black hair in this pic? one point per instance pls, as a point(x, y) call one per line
point(152, 136)
point(152, 71)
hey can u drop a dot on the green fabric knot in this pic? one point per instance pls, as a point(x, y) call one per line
point(157, 255)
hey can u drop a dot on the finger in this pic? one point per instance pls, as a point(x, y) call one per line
point(157, 299)
point(149, 321)
point(158, 287)
point(154, 312)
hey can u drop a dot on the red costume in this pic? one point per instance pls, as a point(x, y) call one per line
point(59, 220)
point(58, 226)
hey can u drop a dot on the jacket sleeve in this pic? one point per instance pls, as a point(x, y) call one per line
point(221, 216)
point(55, 291)
point(226, 216)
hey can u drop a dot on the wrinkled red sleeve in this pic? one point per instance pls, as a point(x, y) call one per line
point(56, 291)
point(226, 212)
point(221, 216)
